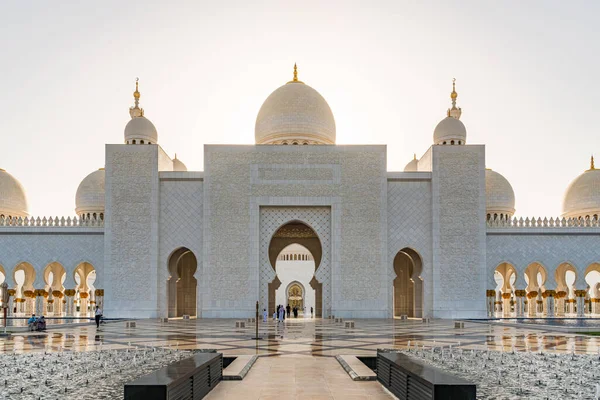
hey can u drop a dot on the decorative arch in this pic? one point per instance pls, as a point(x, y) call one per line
point(181, 283)
point(408, 284)
point(318, 219)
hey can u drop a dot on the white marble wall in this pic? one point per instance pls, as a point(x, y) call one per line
point(459, 229)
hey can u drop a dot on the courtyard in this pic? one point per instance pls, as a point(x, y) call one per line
point(296, 359)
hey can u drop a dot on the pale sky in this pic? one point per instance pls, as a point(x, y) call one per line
point(527, 78)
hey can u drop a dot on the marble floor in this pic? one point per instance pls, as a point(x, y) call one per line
point(297, 357)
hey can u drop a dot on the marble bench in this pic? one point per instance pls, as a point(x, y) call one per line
point(349, 324)
point(240, 324)
point(408, 378)
point(196, 375)
point(130, 324)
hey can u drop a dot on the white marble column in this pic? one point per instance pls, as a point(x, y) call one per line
point(506, 305)
point(490, 296)
point(520, 300)
point(11, 301)
point(580, 302)
point(70, 296)
point(549, 303)
point(532, 304)
point(39, 302)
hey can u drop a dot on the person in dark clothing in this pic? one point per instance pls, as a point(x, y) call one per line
point(287, 309)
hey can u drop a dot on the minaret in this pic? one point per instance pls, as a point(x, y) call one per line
point(454, 112)
point(592, 164)
point(136, 111)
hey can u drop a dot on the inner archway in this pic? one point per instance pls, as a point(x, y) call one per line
point(181, 285)
point(408, 284)
point(295, 268)
point(295, 253)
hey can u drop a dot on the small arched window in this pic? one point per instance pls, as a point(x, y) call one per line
point(452, 142)
point(133, 141)
point(459, 142)
point(141, 142)
point(102, 216)
point(444, 143)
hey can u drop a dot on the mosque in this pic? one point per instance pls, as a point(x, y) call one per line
point(297, 219)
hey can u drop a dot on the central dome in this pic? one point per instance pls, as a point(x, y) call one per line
point(13, 201)
point(295, 113)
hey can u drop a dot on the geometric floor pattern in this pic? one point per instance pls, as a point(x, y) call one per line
point(297, 357)
point(311, 337)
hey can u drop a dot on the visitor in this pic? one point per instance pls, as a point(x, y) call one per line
point(97, 316)
point(295, 312)
point(265, 315)
point(281, 313)
point(305, 313)
point(311, 311)
point(41, 324)
point(288, 309)
point(31, 322)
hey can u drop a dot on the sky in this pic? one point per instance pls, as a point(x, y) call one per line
point(526, 77)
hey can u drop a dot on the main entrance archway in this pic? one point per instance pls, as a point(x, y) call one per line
point(408, 285)
point(307, 226)
point(181, 285)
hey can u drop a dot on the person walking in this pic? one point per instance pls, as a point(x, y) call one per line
point(288, 309)
point(311, 311)
point(265, 315)
point(281, 313)
point(97, 316)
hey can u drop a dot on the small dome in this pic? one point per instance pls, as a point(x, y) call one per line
point(90, 194)
point(140, 129)
point(295, 113)
point(13, 201)
point(450, 129)
point(178, 165)
point(413, 165)
point(500, 197)
point(582, 197)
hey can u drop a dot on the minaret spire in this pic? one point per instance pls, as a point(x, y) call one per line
point(136, 111)
point(592, 163)
point(454, 112)
point(295, 79)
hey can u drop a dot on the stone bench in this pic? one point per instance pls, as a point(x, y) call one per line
point(240, 324)
point(404, 317)
point(130, 324)
point(185, 316)
point(340, 320)
point(251, 320)
point(459, 325)
point(164, 320)
point(349, 324)
point(192, 377)
point(408, 378)
point(426, 320)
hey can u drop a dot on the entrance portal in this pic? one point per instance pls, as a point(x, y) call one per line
point(408, 285)
point(295, 253)
point(181, 285)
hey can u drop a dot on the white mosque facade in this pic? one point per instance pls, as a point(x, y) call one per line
point(297, 219)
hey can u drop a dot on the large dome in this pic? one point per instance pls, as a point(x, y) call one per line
point(178, 165)
point(413, 165)
point(582, 197)
point(500, 197)
point(90, 195)
point(13, 201)
point(295, 113)
point(450, 130)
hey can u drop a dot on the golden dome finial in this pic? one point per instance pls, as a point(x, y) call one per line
point(454, 111)
point(592, 163)
point(136, 111)
point(453, 95)
point(295, 79)
point(414, 156)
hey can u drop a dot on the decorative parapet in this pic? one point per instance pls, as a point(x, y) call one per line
point(51, 222)
point(543, 223)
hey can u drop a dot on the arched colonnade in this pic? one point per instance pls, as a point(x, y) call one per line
point(537, 291)
point(52, 290)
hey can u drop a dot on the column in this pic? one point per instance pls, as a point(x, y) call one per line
point(532, 304)
point(69, 294)
point(560, 303)
point(57, 296)
point(595, 307)
point(519, 306)
point(50, 302)
point(548, 296)
point(39, 301)
point(11, 299)
point(490, 295)
point(83, 308)
point(100, 298)
point(29, 302)
point(580, 296)
point(506, 305)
